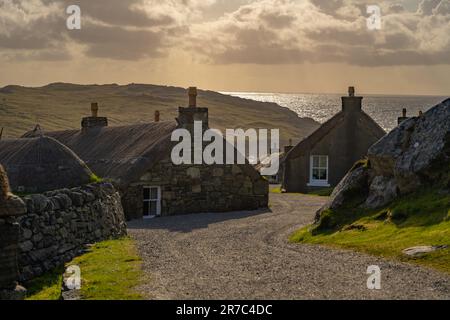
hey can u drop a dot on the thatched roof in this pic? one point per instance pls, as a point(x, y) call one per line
point(122, 153)
point(42, 164)
point(364, 120)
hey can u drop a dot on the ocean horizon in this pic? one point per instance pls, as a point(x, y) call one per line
point(384, 109)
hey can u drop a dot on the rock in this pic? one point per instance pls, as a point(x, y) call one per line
point(64, 201)
point(40, 202)
point(417, 152)
point(27, 234)
point(26, 246)
point(353, 184)
point(218, 172)
point(423, 250)
point(77, 198)
point(383, 190)
point(18, 293)
point(194, 173)
point(12, 207)
point(413, 155)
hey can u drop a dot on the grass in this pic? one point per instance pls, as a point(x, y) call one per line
point(61, 107)
point(95, 179)
point(421, 219)
point(325, 192)
point(275, 190)
point(110, 271)
point(46, 287)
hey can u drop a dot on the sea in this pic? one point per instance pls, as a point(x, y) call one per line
point(384, 109)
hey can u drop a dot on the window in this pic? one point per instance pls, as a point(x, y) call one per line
point(152, 201)
point(319, 171)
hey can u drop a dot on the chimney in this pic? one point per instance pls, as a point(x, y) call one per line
point(192, 92)
point(157, 116)
point(403, 117)
point(352, 103)
point(94, 110)
point(187, 116)
point(94, 121)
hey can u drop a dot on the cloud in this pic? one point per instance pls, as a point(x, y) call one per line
point(114, 29)
point(254, 32)
point(318, 31)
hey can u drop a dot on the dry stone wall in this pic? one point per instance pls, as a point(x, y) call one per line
point(58, 225)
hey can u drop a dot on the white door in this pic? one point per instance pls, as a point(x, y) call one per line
point(152, 202)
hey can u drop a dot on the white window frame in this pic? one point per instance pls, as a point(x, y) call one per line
point(158, 201)
point(314, 182)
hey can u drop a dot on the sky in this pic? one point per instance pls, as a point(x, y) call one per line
point(319, 46)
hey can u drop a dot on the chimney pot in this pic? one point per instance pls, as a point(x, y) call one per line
point(404, 112)
point(157, 116)
point(351, 91)
point(192, 92)
point(94, 121)
point(94, 110)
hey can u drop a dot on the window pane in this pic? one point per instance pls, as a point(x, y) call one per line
point(323, 162)
point(154, 194)
point(146, 193)
point(146, 208)
point(316, 174)
point(323, 174)
point(316, 161)
point(153, 208)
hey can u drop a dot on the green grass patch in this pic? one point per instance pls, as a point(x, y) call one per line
point(421, 219)
point(110, 271)
point(95, 179)
point(275, 190)
point(46, 287)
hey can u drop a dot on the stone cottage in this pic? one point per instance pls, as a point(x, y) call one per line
point(323, 159)
point(137, 159)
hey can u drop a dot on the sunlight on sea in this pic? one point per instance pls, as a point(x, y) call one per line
point(321, 107)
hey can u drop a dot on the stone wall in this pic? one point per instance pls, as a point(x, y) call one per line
point(189, 189)
point(58, 225)
point(10, 207)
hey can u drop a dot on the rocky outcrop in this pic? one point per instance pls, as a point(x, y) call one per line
point(414, 155)
point(417, 152)
point(58, 225)
point(351, 188)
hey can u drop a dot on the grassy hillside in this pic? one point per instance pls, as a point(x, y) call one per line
point(61, 106)
point(421, 219)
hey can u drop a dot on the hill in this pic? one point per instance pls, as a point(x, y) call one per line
point(60, 106)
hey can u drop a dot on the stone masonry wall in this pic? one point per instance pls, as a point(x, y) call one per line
point(59, 224)
point(189, 189)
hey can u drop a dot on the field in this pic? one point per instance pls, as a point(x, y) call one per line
point(61, 106)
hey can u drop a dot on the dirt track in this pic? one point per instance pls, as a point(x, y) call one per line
point(247, 256)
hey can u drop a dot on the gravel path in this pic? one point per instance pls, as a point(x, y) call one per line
point(247, 256)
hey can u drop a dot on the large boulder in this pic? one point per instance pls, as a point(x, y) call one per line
point(413, 155)
point(352, 188)
point(417, 152)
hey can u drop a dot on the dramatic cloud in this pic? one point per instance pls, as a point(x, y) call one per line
point(116, 29)
point(320, 31)
point(248, 32)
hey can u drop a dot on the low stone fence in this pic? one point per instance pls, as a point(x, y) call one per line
point(58, 225)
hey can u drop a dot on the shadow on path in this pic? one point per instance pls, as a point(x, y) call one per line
point(191, 222)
